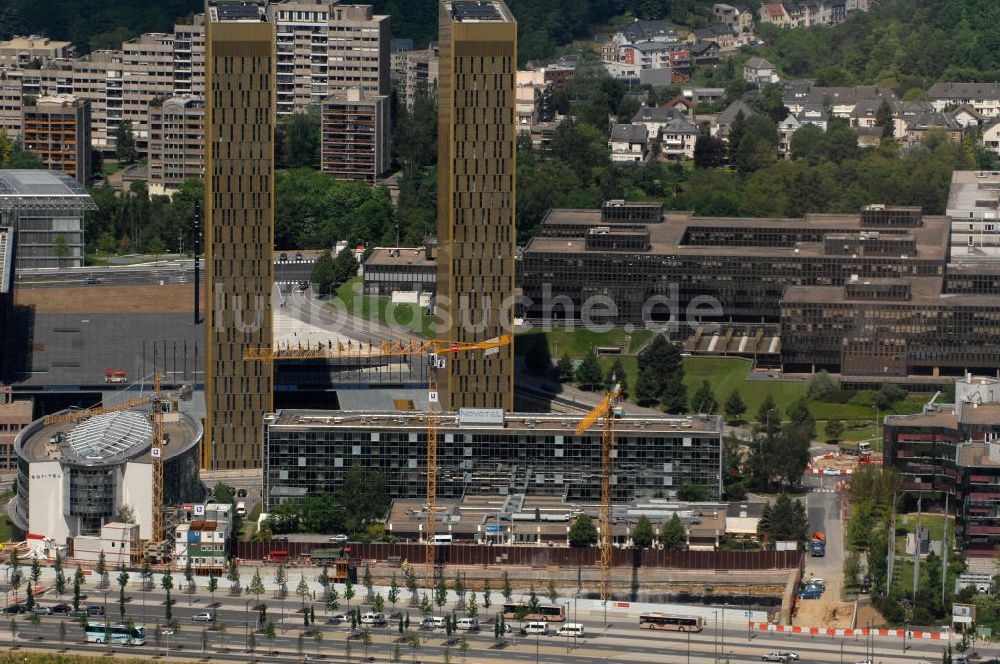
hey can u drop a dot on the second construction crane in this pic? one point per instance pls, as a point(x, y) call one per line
point(435, 350)
point(604, 411)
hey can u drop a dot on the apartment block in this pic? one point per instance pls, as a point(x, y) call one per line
point(324, 47)
point(176, 142)
point(356, 132)
point(422, 69)
point(25, 51)
point(477, 133)
point(239, 229)
point(147, 73)
point(57, 129)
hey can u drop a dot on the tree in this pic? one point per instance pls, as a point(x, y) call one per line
point(102, 570)
point(440, 594)
point(298, 139)
point(366, 640)
point(768, 415)
point(808, 143)
point(122, 583)
point(318, 639)
point(125, 143)
point(852, 570)
point(735, 407)
point(302, 590)
point(6, 147)
point(77, 583)
point(368, 583)
point(189, 574)
point(332, 603)
point(884, 118)
point(393, 592)
point(487, 591)
point(673, 536)
point(692, 492)
point(281, 580)
point(507, 590)
point(472, 606)
point(834, 430)
point(821, 386)
point(213, 585)
point(29, 597)
point(426, 606)
point(564, 369)
point(588, 373)
point(582, 533)
point(233, 576)
point(271, 634)
point(673, 399)
point(348, 592)
point(646, 386)
point(709, 152)
point(704, 400)
point(642, 536)
point(36, 570)
point(167, 583)
point(60, 582)
point(889, 395)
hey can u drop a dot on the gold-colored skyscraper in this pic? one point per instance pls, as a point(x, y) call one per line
point(239, 228)
point(477, 137)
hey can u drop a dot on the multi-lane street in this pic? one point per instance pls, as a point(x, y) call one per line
point(620, 641)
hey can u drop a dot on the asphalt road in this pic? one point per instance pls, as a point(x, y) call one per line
point(167, 272)
point(622, 641)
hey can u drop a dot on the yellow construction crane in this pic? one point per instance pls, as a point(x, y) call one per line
point(604, 411)
point(156, 449)
point(432, 348)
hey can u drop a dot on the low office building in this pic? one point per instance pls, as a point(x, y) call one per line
point(176, 142)
point(309, 452)
point(57, 129)
point(953, 451)
point(869, 295)
point(75, 477)
point(974, 210)
point(46, 210)
point(406, 274)
point(356, 136)
point(203, 536)
point(14, 416)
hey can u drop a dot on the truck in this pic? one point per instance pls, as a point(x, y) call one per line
point(241, 509)
point(861, 449)
point(817, 545)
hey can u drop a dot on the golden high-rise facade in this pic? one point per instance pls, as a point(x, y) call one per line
point(476, 169)
point(239, 229)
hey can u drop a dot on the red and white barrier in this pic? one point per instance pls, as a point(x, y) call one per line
point(830, 631)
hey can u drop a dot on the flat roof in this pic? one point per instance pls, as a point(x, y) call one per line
point(977, 192)
point(923, 291)
point(549, 423)
point(476, 11)
point(236, 11)
point(401, 256)
point(666, 238)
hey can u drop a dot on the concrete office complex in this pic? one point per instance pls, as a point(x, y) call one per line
point(75, 477)
point(46, 210)
point(403, 273)
point(477, 133)
point(323, 47)
point(356, 136)
point(57, 129)
point(870, 295)
point(176, 142)
point(953, 450)
point(14, 416)
point(239, 229)
point(488, 452)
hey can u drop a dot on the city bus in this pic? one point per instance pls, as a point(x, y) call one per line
point(549, 612)
point(122, 634)
point(671, 622)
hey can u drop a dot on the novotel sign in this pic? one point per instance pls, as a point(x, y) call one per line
point(480, 416)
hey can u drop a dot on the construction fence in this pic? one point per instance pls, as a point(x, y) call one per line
point(526, 556)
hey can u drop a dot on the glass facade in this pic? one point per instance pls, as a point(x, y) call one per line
point(543, 457)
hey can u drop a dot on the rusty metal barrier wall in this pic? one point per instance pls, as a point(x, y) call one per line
point(533, 556)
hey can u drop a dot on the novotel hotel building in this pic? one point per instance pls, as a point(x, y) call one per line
point(488, 451)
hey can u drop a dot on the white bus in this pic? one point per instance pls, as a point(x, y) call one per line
point(443, 539)
point(123, 634)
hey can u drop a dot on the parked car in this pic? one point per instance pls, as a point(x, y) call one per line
point(337, 619)
point(811, 593)
point(831, 471)
point(373, 619)
point(95, 610)
point(167, 632)
point(43, 610)
point(427, 623)
point(298, 256)
point(535, 628)
point(338, 539)
point(283, 256)
point(62, 608)
point(816, 581)
point(91, 280)
point(779, 656)
point(15, 608)
point(204, 616)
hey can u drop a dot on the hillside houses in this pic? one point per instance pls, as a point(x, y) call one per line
point(808, 13)
point(983, 98)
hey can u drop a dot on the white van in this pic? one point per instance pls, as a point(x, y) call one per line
point(535, 628)
point(241, 509)
point(471, 624)
point(373, 619)
point(438, 622)
point(570, 629)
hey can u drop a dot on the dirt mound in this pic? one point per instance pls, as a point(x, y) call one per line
point(167, 299)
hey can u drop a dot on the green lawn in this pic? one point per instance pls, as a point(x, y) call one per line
point(6, 529)
point(578, 343)
point(381, 308)
point(109, 167)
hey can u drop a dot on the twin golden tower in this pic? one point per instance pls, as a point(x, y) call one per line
point(476, 170)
